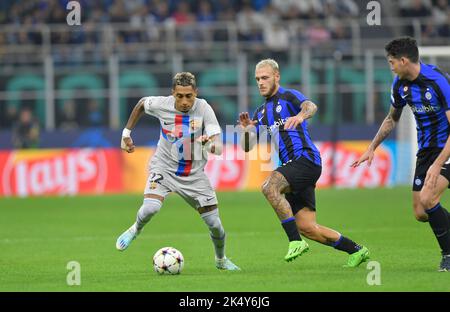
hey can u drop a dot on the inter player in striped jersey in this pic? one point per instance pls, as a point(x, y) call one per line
point(189, 129)
point(426, 90)
point(290, 189)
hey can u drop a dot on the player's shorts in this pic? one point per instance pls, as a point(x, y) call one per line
point(302, 175)
point(425, 159)
point(195, 189)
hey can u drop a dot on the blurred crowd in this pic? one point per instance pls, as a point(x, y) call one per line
point(257, 22)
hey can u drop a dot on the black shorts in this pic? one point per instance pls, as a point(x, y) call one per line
point(425, 159)
point(302, 175)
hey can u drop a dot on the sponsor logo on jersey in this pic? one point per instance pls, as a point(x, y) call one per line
point(425, 109)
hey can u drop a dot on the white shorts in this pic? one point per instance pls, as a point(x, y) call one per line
point(195, 189)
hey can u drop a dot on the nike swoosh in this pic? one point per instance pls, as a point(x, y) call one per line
point(404, 96)
point(167, 124)
point(209, 199)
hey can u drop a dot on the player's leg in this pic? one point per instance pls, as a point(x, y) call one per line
point(201, 196)
point(210, 215)
point(155, 191)
point(303, 205)
point(308, 226)
point(438, 217)
point(423, 162)
point(419, 210)
point(273, 189)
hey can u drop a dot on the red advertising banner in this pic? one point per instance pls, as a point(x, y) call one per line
point(98, 171)
point(60, 172)
point(344, 154)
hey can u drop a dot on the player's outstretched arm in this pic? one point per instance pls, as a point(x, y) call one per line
point(308, 110)
point(126, 143)
point(248, 132)
point(385, 129)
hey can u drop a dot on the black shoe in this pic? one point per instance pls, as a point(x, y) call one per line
point(445, 264)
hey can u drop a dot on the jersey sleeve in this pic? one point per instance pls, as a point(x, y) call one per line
point(210, 122)
point(152, 104)
point(444, 90)
point(298, 98)
point(396, 99)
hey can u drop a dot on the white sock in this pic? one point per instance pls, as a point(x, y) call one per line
point(216, 232)
point(148, 209)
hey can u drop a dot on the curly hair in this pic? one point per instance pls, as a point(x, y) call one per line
point(403, 47)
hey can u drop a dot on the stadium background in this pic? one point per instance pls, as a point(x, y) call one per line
point(81, 82)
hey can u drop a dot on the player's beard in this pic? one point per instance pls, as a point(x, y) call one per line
point(271, 90)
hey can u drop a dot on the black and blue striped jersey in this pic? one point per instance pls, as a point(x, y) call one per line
point(429, 98)
point(271, 116)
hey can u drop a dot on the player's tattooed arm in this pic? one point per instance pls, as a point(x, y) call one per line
point(308, 110)
point(386, 127)
point(273, 190)
point(136, 114)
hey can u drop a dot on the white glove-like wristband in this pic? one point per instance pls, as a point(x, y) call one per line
point(126, 133)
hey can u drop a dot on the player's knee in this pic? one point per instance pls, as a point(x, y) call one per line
point(214, 223)
point(421, 217)
point(268, 188)
point(150, 207)
point(428, 199)
point(307, 229)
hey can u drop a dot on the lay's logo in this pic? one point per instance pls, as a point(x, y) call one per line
point(58, 172)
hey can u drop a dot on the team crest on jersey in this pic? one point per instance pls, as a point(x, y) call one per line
point(262, 111)
point(405, 88)
point(171, 138)
point(279, 108)
point(195, 124)
point(428, 95)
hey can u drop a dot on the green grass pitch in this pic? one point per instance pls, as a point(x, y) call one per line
point(39, 236)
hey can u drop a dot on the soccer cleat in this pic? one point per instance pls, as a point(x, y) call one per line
point(296, 248)
point(226, 264)
point(125, 239)
point(357, 258)
point(445, 264)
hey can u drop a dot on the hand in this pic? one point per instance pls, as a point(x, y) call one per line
point(432, 175)
point(127, 144)
point(245, 121)
point(203, 139)
point(368, 155)
point(293, 122)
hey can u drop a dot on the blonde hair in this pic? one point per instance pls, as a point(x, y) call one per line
point(268, 62)
point(184, 79)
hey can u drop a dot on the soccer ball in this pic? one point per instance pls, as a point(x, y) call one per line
point(168, 260)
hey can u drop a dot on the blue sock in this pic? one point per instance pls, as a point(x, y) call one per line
point(438, 220)
point(290, 227)
point(345, 244)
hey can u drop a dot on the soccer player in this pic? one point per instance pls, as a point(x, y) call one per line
point(189, 129)
point(426, 90)
point(290, 189)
